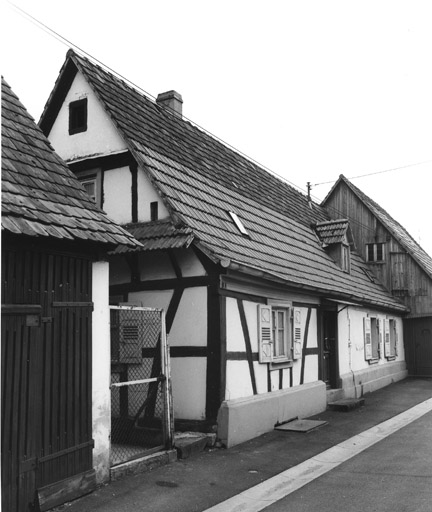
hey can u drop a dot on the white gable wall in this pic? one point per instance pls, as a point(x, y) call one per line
point(146, 195)
point(101, 136)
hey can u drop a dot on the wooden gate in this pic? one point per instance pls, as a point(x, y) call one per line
point(46, 378)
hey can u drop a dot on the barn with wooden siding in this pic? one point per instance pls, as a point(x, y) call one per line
point(54, 317)
point(270, 311)
point(397, 261)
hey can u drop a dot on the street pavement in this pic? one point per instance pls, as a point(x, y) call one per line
point(395, 475)
point(392, 475)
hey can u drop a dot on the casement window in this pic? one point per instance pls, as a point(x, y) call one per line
point(279, 333)
point(375, 252)
point(91, 180)
point(78, 116)
point(90, 187)
point(372, 335)
point(390, 338)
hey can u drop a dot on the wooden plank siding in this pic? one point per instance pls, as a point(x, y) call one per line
point(399, 272)
point(46, 371)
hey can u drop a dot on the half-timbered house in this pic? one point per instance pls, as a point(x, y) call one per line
point(269, 307)
point(55, 368)
point(396, 260)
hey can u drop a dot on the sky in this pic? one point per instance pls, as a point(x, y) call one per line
point(310, 89)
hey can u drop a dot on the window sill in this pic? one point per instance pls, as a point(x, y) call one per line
point(373, 361)
point(281, 365)
point(391, 358)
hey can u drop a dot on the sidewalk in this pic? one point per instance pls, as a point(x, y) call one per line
point(196, 484)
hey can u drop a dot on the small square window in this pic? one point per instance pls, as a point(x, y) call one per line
point(375, 252)
point(238, 223)
point(90, 187)
point(78, 116)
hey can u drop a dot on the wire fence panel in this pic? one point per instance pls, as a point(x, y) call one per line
point(141, 416)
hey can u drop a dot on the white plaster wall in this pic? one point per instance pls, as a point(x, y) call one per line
point(351, 339)
point(189, 375)
point(234, 331)
point(117, 190)
point(190, 323)
point(190, 265)
point(147, 195)
point(238, 380)
point(101, 372)
point(101, 137)
point(159, 299)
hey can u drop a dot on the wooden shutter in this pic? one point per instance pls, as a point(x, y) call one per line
point(395, 338)
point(265, 328)
point(367, 338)
point(297, 338)
point(387, 346)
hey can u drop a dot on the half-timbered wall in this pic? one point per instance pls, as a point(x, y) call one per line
point(179, 284)
point(245, 375)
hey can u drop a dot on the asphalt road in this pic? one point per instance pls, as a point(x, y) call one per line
point(395, 475)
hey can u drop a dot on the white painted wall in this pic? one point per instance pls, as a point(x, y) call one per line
point(117, 191)
point(238, 379)
point(189, 376)
point(190, 323)
point(101, 372)
point(351, 339)
point(147, 195)
point(189, 263)
point(101, 136)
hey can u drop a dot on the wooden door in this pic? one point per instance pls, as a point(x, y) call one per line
point(329, 352)
point(46, 378)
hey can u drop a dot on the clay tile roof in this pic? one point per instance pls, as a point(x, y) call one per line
point(202, 181)
point(332, 232)
point(158, 235)
point(40, 195)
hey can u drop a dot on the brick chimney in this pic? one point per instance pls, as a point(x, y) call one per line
point(171, 100)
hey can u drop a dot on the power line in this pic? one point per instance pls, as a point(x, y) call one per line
point(377, 172)
point(69, 43)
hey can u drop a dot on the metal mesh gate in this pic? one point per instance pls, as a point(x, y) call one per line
point(141, 410)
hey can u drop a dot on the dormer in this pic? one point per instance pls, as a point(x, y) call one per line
point(336, 239)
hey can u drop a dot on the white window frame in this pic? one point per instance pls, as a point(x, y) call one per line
point(390, 338)
point(92, 175)
point(372, 332)
point(292, 335)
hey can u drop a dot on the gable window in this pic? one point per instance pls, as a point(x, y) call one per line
point(372, 335)
point(78, 116)
point(279, 333)
point(375, 252)
point(154, 215)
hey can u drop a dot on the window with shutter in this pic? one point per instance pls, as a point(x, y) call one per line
point(387, 348)
point(265, 329)
point(367, 338)
point(297, 344)
point(391, 339)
